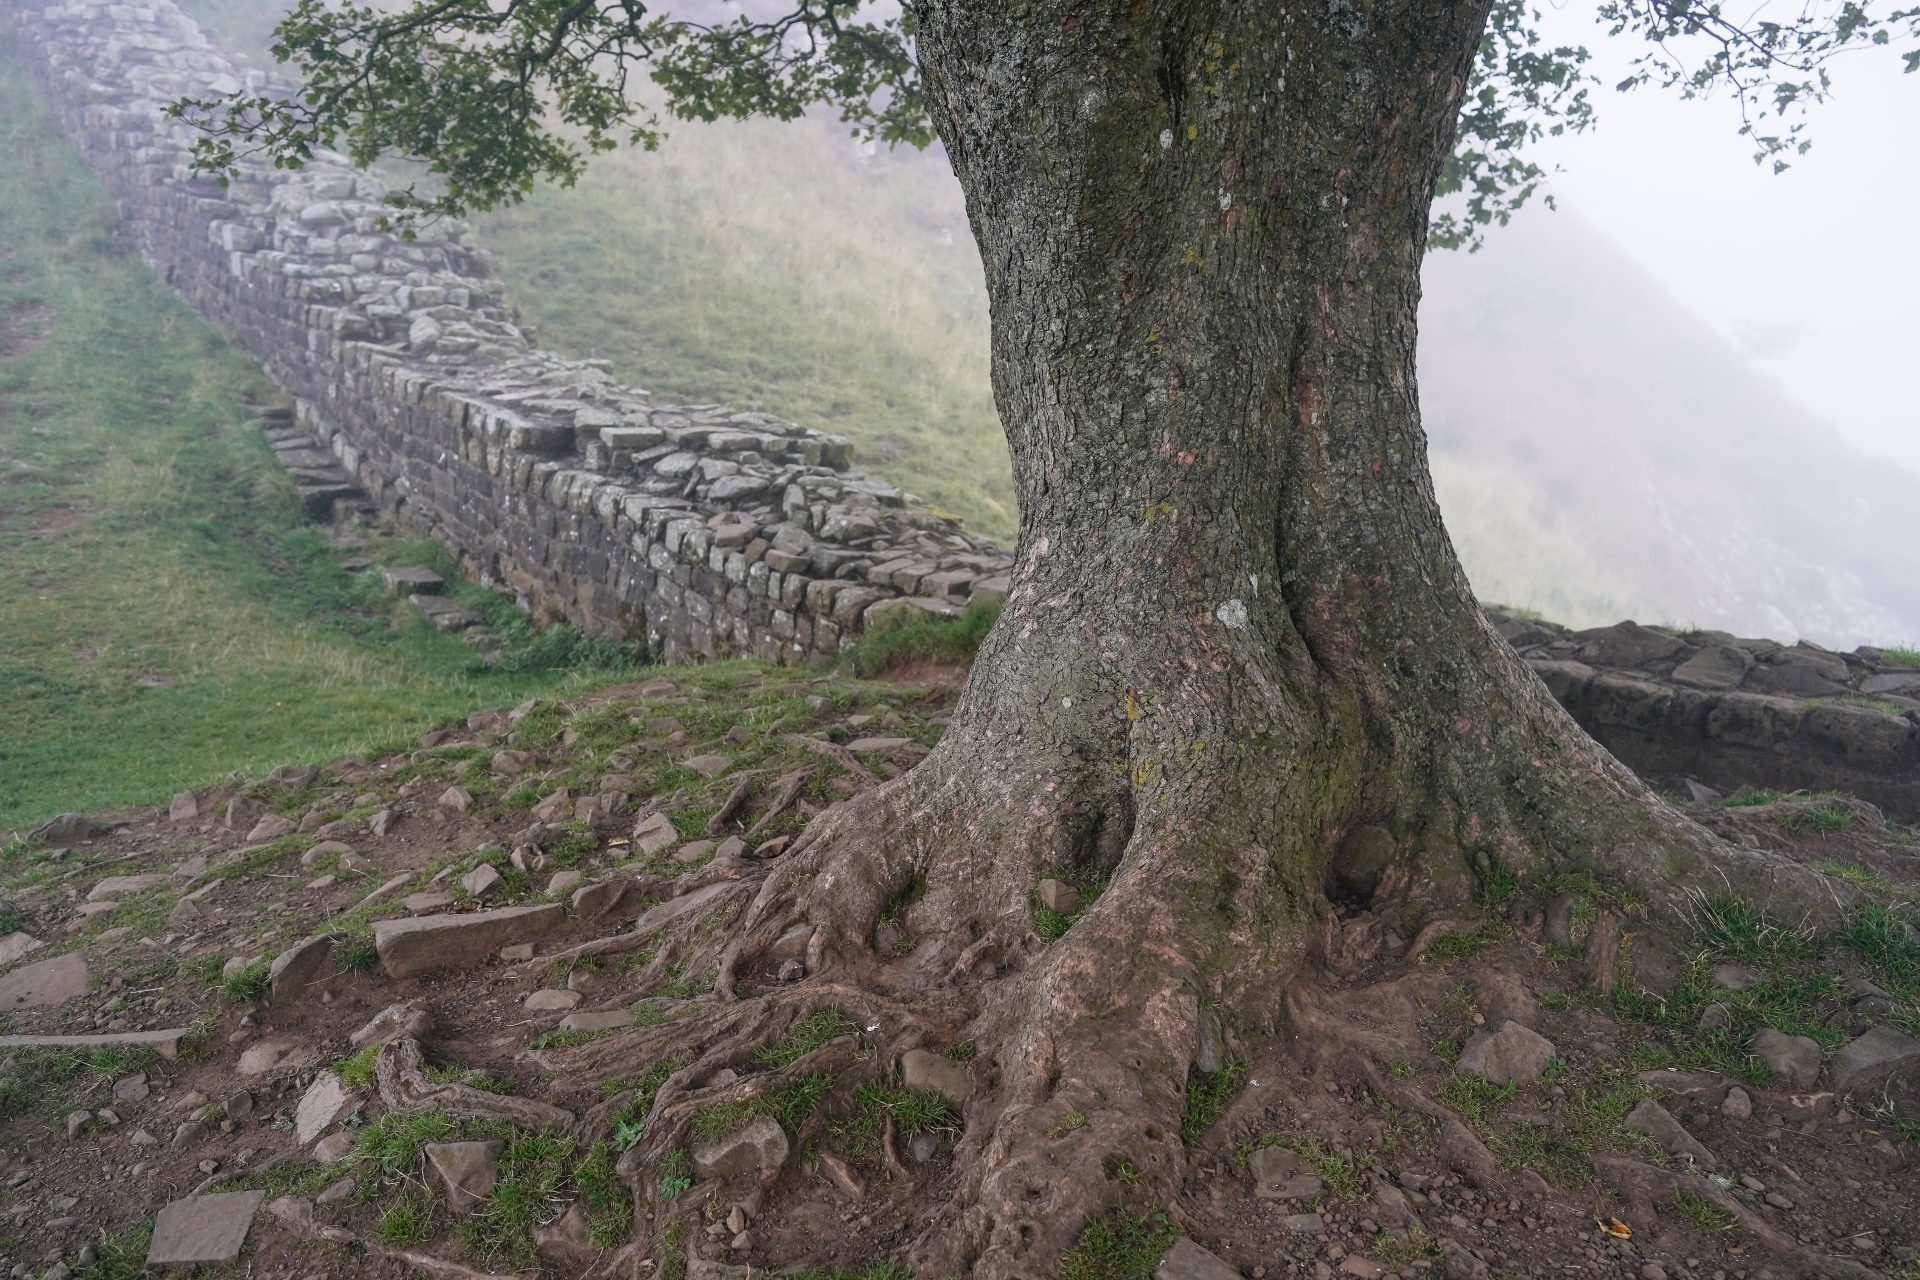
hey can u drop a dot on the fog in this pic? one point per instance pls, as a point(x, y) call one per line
point(1813, 273)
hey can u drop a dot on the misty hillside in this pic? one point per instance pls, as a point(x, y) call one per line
point(1599, 452)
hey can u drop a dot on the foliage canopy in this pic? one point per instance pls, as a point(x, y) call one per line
point(495, 95)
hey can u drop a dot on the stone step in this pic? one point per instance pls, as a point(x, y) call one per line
point(317, 499)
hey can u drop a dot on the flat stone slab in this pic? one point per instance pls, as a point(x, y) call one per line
point(297, 968)
point(597, 1020)
point(467, 1170)
point(165, 1043)
point(1186, 1260)
point(413, 579)
point(432, 944)
point(325, 1101)
point(118, 886)
point(203, 1229)
point(277, 1053)
point(44, 983)
point(445, 614)
point(759, 1145)
point(15, 945)
point(709, 766)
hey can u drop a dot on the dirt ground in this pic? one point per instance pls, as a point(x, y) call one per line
point(1359, 1145)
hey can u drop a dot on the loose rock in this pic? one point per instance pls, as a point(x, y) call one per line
point(205, 1230)
point(1511, 1055)
point(467, 1170)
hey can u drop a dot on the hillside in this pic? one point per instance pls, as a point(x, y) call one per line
point(1577, 411)
point(167, 614)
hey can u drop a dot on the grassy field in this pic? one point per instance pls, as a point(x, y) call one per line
point(164, 616)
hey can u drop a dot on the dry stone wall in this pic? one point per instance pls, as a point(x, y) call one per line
point(715, 532)
point(1731, 712)
point(707, 531)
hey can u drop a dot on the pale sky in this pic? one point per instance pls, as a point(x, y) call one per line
point(1815, 272)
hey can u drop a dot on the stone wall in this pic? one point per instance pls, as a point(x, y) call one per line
point(712, 532)
point(706, 531)
point(1730, 712)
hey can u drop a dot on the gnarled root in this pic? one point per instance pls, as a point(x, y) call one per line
point(400, 1073)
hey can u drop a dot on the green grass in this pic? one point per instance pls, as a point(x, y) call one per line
point(1735, 930)
point(1827, 817)
point(710, 1124)
point(1865, 877)
point(1119, 1246)
point(1455, 946)
point(1888, 939)
point(1699, 1211)
point(1050, 924)
point(921, 639)
point(1497, 887)
point(536, 1172)
point(793, 1102)
point(1208, 1095)
point(391, 1145)
point(411, 1220)
point(356, 1069)
point(46, 1082)
point(165, 615)
point(804, 1037)
point(248, 982)
point(1590, 1109)
point(123, 1255)
point(913, 1111)
point(1902, 654)
point(789, 1105)
point(608, 1204)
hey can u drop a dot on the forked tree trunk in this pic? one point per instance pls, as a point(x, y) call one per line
point(1240, 680)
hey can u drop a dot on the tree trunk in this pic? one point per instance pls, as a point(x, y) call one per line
point(1241, 694)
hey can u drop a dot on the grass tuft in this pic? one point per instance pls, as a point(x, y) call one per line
point(1207, 1096)
point(921, 639)
point(1700, 1211)
point(806, 1035)
point(1119, 1246)
point(249, 982)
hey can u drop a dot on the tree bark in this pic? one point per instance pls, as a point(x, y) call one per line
point(1241, 693)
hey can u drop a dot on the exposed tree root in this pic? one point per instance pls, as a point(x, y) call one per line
point(400, 1073)
point(736, 798)
point(791, 785)
point(836, 753)
point(296, 1216)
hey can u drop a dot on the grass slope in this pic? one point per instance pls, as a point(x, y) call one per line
point(774, 266)
point(164, 616)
